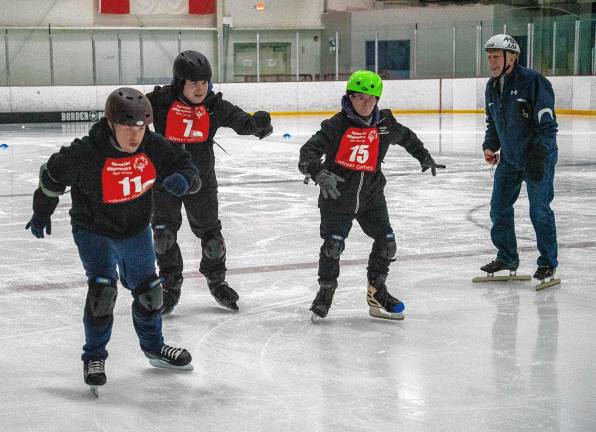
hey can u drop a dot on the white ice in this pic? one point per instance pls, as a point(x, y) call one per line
point(468, 357)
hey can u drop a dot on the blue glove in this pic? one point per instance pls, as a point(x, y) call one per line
point(176, 184)
point(38, 224)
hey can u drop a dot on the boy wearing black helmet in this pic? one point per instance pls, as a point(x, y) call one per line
point(354, 143)
point(110, 172)
point(188, 113)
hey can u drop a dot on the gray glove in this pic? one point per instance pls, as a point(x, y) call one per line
point(429, 162)
point(328, 181)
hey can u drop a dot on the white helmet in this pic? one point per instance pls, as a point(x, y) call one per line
point(504, 42)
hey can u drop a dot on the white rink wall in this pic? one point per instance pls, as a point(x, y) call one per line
point(466, 94)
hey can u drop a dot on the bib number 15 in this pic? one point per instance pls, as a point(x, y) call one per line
point(359, 153)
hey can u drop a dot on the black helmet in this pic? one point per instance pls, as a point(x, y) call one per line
point(193, 66)
point(128, 106)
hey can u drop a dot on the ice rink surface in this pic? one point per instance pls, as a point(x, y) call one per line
point(468, 357)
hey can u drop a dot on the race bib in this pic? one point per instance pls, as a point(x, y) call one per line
point(187, 124)
point(359, 149)
point(126, 179)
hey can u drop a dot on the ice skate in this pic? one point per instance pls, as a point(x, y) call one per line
point(543, 273)
point(322, 302)
point(223, 294)
point(170, 358)
point(496, 266)
point(94, 375)
point(171, 295)
point(381, 303)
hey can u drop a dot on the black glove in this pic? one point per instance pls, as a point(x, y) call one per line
point(328, 181)
point(176, 184)
point(535, 164)
point(429, 162)
point(263, 121)
point(38, 224)
point(163, 238)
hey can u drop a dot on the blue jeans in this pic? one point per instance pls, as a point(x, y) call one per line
point(134, 257)
point(506, 188)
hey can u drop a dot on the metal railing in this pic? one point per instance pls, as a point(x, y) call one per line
point(34, 56)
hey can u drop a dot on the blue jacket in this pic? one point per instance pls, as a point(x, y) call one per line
point(522, 117)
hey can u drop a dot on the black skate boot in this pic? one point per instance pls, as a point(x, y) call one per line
point(322, 302)
point(94, 374)
point(496, 266)
point(170, 358)
point(171, 294)
point(223, 293)
point(546, 272)
point(381, 303)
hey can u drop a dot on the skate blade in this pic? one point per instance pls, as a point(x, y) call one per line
point(502, 278)
point(165, 365)
point(94, 391)
point(377, 312)
point(547, 284)
point(315, 319)
point(231, 307)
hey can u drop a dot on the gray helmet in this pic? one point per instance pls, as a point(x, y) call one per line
point(504, 42)
point(128, 106)
point(193, 66)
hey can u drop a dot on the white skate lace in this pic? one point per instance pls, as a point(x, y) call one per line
point(171, 352)
point(95, 367)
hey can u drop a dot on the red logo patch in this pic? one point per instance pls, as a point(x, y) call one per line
point(359, 149)
point(187, 124)
point(126, 179)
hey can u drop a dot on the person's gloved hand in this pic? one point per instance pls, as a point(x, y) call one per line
point(263, 121)
point(429, 162)
point(535, 164)
point(176, 184)
point(163, 238)
point(328, 181)
point(38, 224)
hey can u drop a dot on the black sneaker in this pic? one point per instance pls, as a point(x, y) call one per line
point(322, 302)
point(170, 358)
point(381, 303)
point(171, 294)
point(94, 372)
point(496, 266)
point(223, 294)
point(544, 272)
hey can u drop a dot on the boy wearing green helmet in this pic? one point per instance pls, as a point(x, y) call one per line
point(354, 143)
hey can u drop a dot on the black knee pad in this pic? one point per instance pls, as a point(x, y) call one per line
point(148, 296)
point(386, 247)
point(214, 247)
point(101, 299)
point(333, 246)
point(163, 237)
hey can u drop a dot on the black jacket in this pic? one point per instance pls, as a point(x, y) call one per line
point(109, 187)
point(221, 114)
point(363, 185)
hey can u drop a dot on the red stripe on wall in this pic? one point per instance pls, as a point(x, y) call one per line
point(201, 7)
point(114, 6)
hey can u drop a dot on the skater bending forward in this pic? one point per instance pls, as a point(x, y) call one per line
point(188, 113)
point(110, 173)
point(521, 139)
point(354, 143)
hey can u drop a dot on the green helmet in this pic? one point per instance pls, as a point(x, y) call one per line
point(366, 82)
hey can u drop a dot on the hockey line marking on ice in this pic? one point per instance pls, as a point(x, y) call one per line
point(312, 265)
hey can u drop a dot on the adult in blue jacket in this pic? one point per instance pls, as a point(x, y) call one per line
point(521, 140)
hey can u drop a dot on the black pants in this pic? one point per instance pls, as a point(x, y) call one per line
point(374, 223)
point(202, 214)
